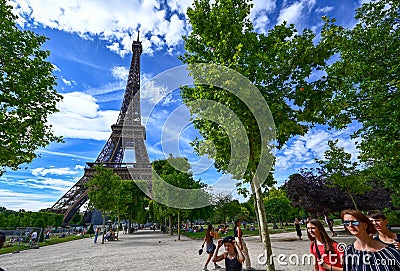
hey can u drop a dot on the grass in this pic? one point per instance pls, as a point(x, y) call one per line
point(10, 248)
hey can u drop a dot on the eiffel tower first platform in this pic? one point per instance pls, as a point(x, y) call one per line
point(127, 134)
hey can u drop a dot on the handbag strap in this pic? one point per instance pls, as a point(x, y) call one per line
point(317, 250)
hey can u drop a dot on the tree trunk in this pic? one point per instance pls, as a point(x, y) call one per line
point(117, 226)
point(263, 223)
point(104, 227)
point(179, 226)
point(353, 200)
point(256, 210)
point(171, 232)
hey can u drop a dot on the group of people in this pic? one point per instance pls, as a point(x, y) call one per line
point(368, 252)
point(235, 253)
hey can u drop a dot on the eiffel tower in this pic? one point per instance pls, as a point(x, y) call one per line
point(127, 134)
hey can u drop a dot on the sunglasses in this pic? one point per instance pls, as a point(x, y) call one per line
point(353, 222)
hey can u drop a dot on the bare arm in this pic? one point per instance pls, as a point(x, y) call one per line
point(239, 234)
point(216, 257)
point(240, 256)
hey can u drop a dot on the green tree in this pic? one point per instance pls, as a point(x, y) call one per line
point(342, 172)
point(278, 205)
point(366, 84)
point(174, 171)
point(27, 93)
point(226, 208)
point(103, 188)
point(279, 64)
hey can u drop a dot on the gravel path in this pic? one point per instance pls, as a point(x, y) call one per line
point(147, 251)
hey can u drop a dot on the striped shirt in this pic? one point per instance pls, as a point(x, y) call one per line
point(386, 259)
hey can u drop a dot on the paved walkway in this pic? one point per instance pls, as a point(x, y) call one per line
point(148, 251)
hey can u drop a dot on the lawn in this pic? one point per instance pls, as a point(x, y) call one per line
point(12, 248)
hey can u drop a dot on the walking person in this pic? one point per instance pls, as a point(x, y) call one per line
point(96, 235)
point(329, 222)
point(366, 253)
point(325, 250)
point(210, 246)
point(33, 238)
point(385, 235)
point(297, 226)
point(238, 234)
point(232, 255)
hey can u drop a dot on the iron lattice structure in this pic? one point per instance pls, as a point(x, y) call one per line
point(127, 133)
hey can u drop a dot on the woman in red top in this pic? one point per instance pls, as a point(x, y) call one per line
point(328, 256)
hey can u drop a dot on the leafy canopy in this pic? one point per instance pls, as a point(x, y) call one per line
point(27, 94)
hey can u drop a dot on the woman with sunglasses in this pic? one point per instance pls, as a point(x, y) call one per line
point(325, 250)
point(366, 253)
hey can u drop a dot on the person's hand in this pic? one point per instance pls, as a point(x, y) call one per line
point(219, 243)
point(323, 264)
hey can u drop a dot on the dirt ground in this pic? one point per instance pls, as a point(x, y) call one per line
point(148, 250)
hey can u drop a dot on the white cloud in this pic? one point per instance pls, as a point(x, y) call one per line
point(301, 151)
point(117, 22)
point(324, 10)
point(80, 117)
point(291, 14)
point(68, 82)
point(260, 12)
point(27, 201)
point(120, 73)
point(53, 171)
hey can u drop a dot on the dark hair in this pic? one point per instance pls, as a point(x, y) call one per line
point(377, 215)
point(328, 242)
point(360, 217)
point(228, 239)
point(236, 222)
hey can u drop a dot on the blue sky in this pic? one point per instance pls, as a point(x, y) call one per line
point(90, 44)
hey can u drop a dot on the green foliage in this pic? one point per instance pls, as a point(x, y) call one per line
point(40, 223)
point(91, 229)
point(103, 188)
point(12, 219)
point(226, 209)
point(366, 82)
point(342, 172)
point(27, 93)
point(279, 64)
point(174, 171)
point(278, 206)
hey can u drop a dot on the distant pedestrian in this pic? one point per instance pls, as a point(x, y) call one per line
point(238, 234)
point(297, 226)
point(96, 235)
point(33, 237)
point(329, 222)
point(328, 256)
